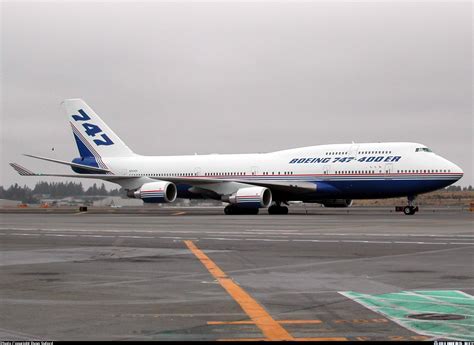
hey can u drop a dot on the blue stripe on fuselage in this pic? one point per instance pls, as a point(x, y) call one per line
point(367, 189)
point(353, 189)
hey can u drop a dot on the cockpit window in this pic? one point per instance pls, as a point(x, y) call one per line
point(423, 149)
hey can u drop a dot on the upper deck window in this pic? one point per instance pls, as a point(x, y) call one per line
point(423, 149)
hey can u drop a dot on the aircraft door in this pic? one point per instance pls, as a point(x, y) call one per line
point(388, 168)
point(254, 170)
point(197, 171)
point(327, 169)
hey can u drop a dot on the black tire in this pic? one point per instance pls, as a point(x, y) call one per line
point(234, 210)
point(278, 210)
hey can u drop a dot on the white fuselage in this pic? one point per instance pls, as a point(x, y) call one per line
point(403, 168)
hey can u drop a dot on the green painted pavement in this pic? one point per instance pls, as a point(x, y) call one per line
point(397, 306)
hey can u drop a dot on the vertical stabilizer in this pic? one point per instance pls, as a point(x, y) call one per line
point(93, 137)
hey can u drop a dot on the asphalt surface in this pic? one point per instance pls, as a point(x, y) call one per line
point(183, 275)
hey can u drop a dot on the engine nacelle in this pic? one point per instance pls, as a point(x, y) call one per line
point(155, 192)
point(251, 197)
point(337, 203)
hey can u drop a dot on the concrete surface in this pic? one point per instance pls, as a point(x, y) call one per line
point(100, 276)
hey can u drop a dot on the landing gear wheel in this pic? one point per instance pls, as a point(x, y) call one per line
point(252, 211)
point(409, 210)
point(274, 209)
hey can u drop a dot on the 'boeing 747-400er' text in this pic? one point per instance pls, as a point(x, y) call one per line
point(332, 175)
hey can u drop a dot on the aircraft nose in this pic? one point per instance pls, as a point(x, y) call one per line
point(457, 170)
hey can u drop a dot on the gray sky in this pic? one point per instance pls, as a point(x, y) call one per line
point(179, 78)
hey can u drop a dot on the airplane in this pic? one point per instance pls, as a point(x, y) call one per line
point(332, 175)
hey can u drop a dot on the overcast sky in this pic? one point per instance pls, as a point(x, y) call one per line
point(180, 78)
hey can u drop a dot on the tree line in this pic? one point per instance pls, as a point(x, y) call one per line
point(458, 189)
point(59, 190)
point(55, 190)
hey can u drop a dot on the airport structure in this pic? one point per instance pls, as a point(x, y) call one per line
point(332, 175)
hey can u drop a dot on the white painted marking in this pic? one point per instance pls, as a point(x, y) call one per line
point(470, 297)
point(252, 232)
point(22, 234)
point(353, 241)
point(397, 321)
point(271, 230)
point(434, 302)
point(262, 239)
point(266, 239)
point(323, 241)
point(135, 237)
point(219, 238)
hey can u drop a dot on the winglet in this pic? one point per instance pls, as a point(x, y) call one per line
point(21, 170)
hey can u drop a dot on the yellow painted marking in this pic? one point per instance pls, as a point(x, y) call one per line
point(262, 319)
point(178, 213)
point(249, 322)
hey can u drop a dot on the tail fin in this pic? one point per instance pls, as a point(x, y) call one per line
point(93, 137)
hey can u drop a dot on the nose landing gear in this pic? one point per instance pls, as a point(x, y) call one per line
point(410, 210)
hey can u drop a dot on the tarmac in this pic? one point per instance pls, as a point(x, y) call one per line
point(196, 274)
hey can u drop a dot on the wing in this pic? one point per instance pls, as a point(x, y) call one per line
point(278, 185)
point(202, 183)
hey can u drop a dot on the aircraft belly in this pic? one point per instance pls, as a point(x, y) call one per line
point(365, 189)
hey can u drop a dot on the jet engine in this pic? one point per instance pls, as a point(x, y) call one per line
point(337, 203)
point(251, 197)
point(155, 192)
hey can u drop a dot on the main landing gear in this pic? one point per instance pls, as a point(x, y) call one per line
point(410, 209)
point(277, 209)
point(232, 209)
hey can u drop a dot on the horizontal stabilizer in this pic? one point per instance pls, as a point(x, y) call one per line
point(76, 165)
point(25, 172)
point(21, 170)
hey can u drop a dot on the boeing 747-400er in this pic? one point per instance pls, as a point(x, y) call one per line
point(332, 175)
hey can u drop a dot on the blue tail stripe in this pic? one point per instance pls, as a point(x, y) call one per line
point(85, 153)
